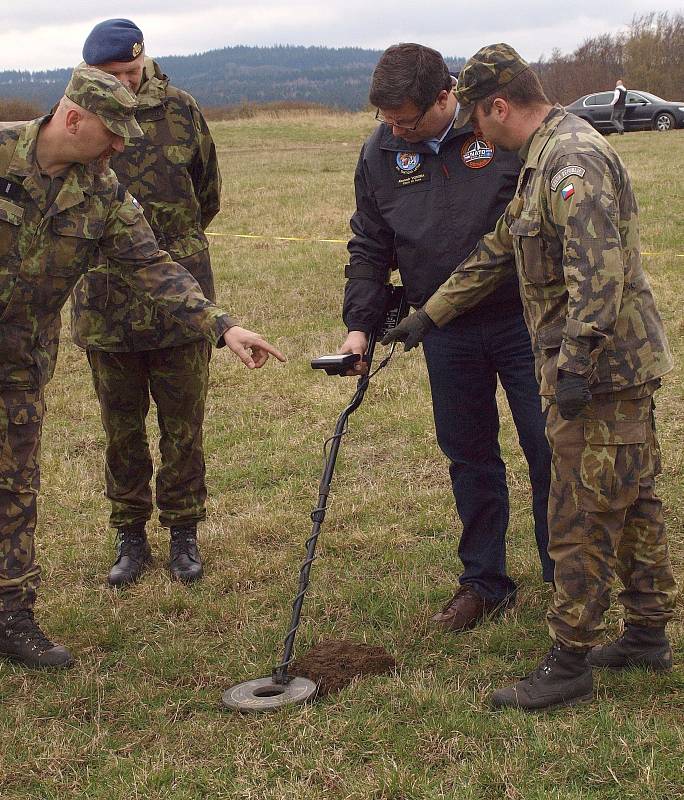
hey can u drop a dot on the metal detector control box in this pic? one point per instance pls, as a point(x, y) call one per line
point(396, 309)
point(335, 364)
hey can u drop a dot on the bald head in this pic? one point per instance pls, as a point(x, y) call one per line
point(75, 135)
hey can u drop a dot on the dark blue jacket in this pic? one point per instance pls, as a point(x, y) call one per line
point(422, 213)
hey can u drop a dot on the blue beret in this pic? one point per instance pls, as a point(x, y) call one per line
point(113, 40)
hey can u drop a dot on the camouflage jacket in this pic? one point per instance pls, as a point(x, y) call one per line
point(43, 252)
point(173, 173)
point(573, 229)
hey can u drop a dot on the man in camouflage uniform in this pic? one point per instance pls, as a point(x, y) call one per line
point(59, 202)
point(133, 350)
point(600, 350)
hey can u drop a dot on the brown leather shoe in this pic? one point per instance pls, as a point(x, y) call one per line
point(466, 609)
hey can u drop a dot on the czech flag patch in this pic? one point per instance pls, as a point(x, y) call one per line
point(567, 191)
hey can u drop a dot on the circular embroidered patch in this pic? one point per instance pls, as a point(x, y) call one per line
point(477, 153)
point(408, 162)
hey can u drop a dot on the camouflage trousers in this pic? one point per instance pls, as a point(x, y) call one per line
point(605, 518)
point(177, 379)
point(21, 422)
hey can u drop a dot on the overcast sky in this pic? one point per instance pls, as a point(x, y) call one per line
point(42, 34)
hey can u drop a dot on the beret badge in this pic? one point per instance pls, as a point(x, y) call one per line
point(136, 49)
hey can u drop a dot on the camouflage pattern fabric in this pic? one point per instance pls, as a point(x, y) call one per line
point(177, 379)
point(573, 228)
point(43, 252)
point(107, 315)
point(491, 68)
point(104, 95)
point(173, 172)
point(42, 255)
point(21, 420)
point(605, 518)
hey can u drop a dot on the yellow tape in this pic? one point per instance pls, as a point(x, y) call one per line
point(276, 238)
point(344, 241)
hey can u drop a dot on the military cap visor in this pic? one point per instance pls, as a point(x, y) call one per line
point(491, 68)
point(463, 114)
point(126, 127)
point(105, 96)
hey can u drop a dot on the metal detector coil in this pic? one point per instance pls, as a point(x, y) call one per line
point(282, 689)
point(263, 694)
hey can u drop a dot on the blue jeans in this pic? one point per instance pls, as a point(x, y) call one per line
point(464, 360)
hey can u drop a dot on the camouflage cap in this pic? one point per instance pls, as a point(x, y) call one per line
point(491, 68)
point(106, 96)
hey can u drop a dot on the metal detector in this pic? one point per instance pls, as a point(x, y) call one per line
point(281, 689)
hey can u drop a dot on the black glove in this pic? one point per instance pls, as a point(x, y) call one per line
point(572, 394)
point(411, 330)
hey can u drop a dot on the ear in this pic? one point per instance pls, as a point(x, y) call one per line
point(72, 120)
point(443, 98)
point(501, 108)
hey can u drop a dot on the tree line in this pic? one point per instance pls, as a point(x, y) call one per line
point(334, 77)
point(648, 56)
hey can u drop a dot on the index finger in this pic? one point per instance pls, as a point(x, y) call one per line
point(269, 348)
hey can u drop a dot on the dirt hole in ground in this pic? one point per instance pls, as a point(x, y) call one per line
point(334, 664)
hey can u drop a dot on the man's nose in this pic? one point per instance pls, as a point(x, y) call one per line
point(118, 144)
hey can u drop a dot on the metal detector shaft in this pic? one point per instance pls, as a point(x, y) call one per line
point(318, 514)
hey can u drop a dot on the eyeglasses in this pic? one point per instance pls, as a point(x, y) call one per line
point(393, 122)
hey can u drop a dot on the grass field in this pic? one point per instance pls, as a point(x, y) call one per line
point(139, 715)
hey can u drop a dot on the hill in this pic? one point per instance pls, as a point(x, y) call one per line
point(337, 77)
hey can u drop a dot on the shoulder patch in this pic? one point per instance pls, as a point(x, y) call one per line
point(564, 173)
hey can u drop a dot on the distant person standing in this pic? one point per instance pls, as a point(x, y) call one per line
point(619, 104)
point(133, 350)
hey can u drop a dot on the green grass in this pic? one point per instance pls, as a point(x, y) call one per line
point(139, 715)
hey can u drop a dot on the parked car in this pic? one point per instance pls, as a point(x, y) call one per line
point(644, 112)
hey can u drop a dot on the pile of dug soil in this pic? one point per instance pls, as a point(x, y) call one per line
point(333, 664)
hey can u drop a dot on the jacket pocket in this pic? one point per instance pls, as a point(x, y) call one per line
point(11, 216)
point(19, 450)
point(74, 243)
point(611, 464)
point(531, 249)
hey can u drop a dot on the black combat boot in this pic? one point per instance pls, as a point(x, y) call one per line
point(21, 639)
point(185, 561)
point(562, 679)
point(133, 555)
point(637, 647)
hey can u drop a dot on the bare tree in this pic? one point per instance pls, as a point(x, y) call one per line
point(650, 56)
